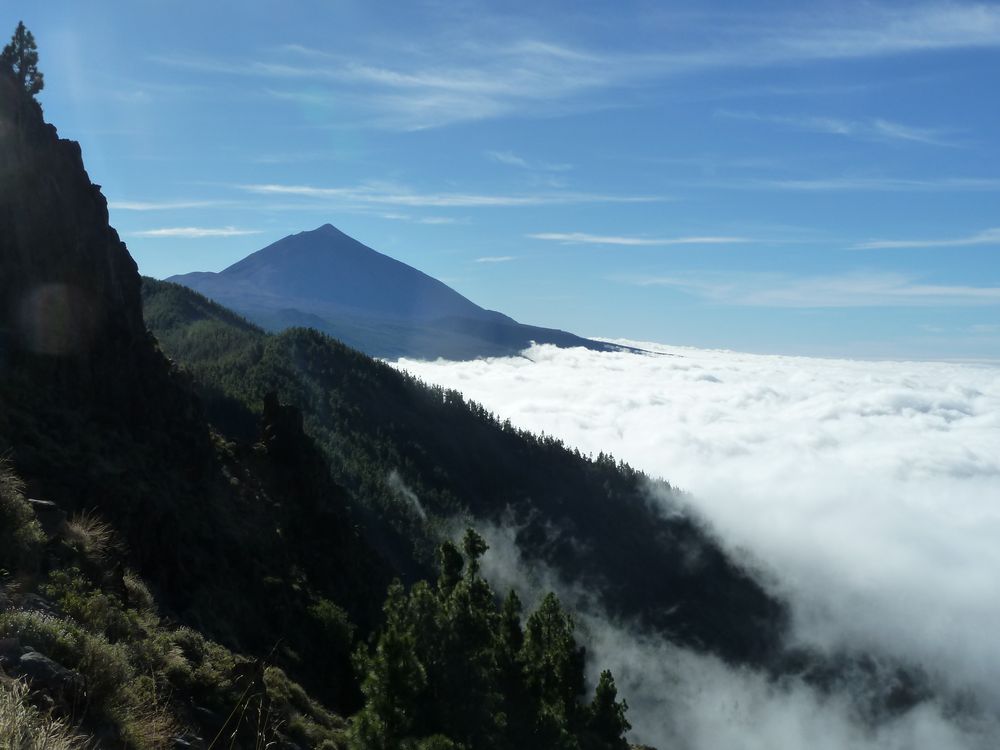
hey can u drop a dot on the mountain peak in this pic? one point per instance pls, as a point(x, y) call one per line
point(325, 270)
point(326, 279)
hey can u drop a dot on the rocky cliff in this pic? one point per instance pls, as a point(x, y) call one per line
point(96, 419)
point(70, 290)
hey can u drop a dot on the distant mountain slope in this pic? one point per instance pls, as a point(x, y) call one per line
point(326, 280)
point(419, 457)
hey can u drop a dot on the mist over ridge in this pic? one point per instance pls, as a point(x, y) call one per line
point(867, 493)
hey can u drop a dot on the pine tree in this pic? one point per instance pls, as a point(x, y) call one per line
point(554, 674)
point(20, 58)
point(392, 681)
point(453, 669)
point(606, 723)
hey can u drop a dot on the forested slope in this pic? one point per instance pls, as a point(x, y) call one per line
point(392, 439)
point(163, 584)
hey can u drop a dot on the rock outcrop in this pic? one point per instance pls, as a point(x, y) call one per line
point(240, 543)
point(70, 290)
point(75, 355)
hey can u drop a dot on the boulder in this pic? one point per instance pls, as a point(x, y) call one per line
point(38, 603)
point(49, 515)
point(44, 674)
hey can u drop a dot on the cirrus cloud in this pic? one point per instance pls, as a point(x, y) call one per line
point(583, 238)
point(194, 232)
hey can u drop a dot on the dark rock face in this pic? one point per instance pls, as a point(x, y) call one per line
point(69, 290)
point(94, 416)
point(74, 348)
point(49, 515)
point(89, 407)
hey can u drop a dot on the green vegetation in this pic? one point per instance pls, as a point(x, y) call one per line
point(20, 59)
point(452, 668)
point(389, 438)
point(21, 535)
point(135, 676)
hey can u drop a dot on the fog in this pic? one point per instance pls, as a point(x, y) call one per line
point(866, 493)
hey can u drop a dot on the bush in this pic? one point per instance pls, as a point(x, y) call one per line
point(96, 610)
point(303, 718)
point(105, 666)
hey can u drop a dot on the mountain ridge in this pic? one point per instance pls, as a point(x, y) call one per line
point(325, 279)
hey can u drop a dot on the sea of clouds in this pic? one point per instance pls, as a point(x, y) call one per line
point(866, 493)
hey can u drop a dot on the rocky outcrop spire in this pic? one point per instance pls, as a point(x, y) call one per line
point(69, 291)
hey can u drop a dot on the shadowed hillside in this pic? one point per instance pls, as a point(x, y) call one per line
point(418, 456)
point(179, 550)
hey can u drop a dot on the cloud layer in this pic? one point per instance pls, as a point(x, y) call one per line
point(868, 492)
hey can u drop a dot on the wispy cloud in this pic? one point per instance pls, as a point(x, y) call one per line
point(874, 129)
point(875, 31)
point(506, 157)
point(436, 220)
point(194, 232)
point(513, 160)
point(470, 82)
point(846, 290)
point(432, 220)
point(162, 205)
point(582, 238)
point(393, 195)
point(495, 259)
point(485, 78)
point(870, 184)
point(986, 237)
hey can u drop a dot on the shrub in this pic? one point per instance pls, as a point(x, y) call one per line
point(300, 715)
point(96, 610)
point(105, 666)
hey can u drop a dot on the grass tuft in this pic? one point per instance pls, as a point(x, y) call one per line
point(21, 537)
point(23, 727)
point(89, 536)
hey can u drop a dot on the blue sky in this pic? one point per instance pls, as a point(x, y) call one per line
point(817, 178)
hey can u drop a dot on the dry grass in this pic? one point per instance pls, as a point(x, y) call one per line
point(149, 727)
point(22, 727)
point(21, 537)
point(89, 535)
point(10, 483)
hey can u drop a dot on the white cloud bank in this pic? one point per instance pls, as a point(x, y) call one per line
point(870, 491)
